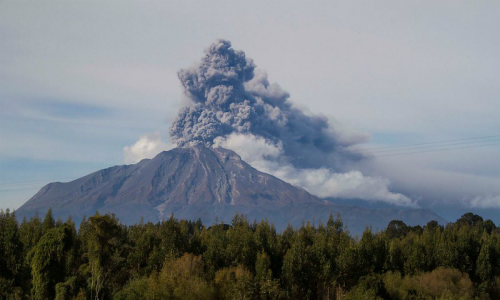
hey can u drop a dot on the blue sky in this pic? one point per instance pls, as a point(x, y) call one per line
point(82, 80)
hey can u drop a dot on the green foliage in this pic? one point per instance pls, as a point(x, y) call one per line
point(442, 283)
point(144, 256)
point(183, 278)
point(11, 257)
point(216, 254)
point(103, 244)
point(11, 247)
point(469, 219)
point(178, 259)
point(301, 265)
point(396, 229)
point(48, 222)
point(30, 233)
point(369, 287)
point(47, 261)
point(138, 289)
point(235, 283)
point(66, 290)
point(172, 242)
point(267, 287)
point(180, 278)
point(242, 248)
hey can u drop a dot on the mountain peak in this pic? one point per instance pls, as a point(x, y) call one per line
point(201, 183)
point(195, 176)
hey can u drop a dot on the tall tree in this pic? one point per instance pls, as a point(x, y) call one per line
point(47, 261)
point(103, 240)
point(48, 222)
point(11, 252)
point(267, 287)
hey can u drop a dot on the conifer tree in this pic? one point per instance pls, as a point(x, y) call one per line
point(48, 222)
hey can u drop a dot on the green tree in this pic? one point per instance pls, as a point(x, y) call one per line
point(183, 279)
point(442, 283)
point(140, 289)
point(369, 287)
point(48, 222)
point(301, 264)
point(266, 239)
point(485, 263)
point(469, 219)
point(396, 229)
point(11, 253)
point(47, 261)
point(144, 241)
point(235, 283)
point(215, 243)
point(104, 244)
point(66, 290)
point(241, 243)
point(30, 232)
point(173, 243)
point(268, 288)
point(349, 269)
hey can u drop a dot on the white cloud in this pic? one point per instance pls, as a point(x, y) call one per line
point(266, 157)
point(147, 146)
point(485, 202)
point(442, 178)
point(252, 149)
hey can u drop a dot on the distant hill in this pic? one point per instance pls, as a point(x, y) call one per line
point(206, 183)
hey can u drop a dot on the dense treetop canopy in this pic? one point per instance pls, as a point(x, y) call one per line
point(178, 259)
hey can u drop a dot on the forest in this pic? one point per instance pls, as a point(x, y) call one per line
point(178, 259)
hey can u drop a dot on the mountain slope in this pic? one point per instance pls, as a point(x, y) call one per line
point(157, 187)
point(204, 183)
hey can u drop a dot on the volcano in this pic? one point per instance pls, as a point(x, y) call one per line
point(201, 183)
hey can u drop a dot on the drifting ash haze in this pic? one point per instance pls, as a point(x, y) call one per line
point(234, 106)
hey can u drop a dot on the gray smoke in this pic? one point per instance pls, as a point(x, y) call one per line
point(230, 95)
point(234, 106)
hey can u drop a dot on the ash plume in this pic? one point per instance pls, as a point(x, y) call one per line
point(229, 95)
point(233, 105)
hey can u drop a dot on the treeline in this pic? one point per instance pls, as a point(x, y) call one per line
point(177, 259)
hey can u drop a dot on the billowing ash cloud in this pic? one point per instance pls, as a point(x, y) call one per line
point(322, 182)
point(234, 106)
point(230, 95)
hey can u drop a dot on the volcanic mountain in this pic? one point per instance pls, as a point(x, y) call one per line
point(199, 182)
